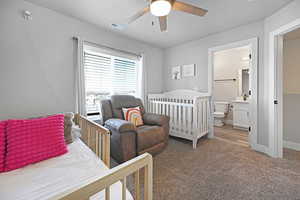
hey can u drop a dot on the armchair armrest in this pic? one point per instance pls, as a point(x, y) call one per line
point(155, 119)
point(119, 125)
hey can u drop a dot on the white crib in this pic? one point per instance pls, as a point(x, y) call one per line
point(189, 112)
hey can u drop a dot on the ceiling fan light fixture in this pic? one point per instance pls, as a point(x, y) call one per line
point(160, 8)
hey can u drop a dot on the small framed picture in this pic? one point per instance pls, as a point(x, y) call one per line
point(188, 70)
point(176, 73)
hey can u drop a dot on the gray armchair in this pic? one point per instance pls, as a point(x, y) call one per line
point(127, 140)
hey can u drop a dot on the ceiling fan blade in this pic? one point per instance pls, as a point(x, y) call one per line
point(138, 14)
point(163, 23)
point(180, 6)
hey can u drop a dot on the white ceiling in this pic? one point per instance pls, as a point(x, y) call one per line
point(222, 15)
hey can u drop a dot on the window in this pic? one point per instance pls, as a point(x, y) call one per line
point(107, 74)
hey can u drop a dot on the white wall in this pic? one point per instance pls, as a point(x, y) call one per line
point(196, 52)
point(291, 90)
point(37, 59)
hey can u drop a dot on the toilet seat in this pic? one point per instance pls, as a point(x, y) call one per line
point(219, 114)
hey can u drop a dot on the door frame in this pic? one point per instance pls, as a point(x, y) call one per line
point(276, 88)
point(253, 43)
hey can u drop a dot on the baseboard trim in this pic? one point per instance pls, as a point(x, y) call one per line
point(291, 145)
point(261, 148)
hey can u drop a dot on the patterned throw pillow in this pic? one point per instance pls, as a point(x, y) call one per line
point(70, 134)
point(34, 140)
point(133, 115)
point(68, 124)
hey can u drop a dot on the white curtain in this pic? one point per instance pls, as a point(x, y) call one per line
point(79, 79)
point(142, 80)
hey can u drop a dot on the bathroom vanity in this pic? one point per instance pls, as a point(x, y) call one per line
point(241, 114)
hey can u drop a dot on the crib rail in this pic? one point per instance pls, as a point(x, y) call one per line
point(119, 173)
point(98, 139)
point(189, 115)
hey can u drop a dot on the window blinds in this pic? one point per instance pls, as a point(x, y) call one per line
point(106, 75)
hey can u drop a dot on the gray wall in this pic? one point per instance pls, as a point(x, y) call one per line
point(37, 61)
point(196, 52)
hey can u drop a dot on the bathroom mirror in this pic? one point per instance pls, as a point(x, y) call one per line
point(243, 82)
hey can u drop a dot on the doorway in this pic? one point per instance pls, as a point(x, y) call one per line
point(233, 87)
point(285, 91)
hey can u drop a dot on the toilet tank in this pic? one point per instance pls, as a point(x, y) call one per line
point(221, 106)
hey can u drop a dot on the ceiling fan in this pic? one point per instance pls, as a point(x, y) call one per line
point(161, 9)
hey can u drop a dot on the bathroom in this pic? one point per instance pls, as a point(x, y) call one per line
point(231, 94)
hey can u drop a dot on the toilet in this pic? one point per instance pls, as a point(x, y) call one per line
point(221, 110)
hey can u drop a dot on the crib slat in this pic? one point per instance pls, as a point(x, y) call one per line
point(204, 116)
point(189, 120)
point(107, 150)
point(184, 124)
point(107, 193)
point(159, 106)
point(179, 116)
point(148, 183)
point(162, 108)
point(176, 122)
point(195, 116)
point(205, 121)
point(103, 146)
point(124, 188)
point(151, 106)
point(207, 115)
point(168, 109)
point(201, 115)
point(137, 185)
point(171, 115)
point(97, 143)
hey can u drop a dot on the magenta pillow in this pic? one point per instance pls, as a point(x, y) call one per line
point(2, 144)
point(33, 140)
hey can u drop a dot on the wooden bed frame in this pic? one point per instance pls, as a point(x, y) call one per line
point(97, 138)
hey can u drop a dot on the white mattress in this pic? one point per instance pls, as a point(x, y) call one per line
point(46, 179)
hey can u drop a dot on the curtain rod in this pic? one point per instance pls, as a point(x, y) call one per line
point(111, 48)
point(231, 79)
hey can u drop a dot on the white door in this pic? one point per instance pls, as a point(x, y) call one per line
point(253, 93)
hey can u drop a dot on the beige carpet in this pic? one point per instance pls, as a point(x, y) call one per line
point(221, 170)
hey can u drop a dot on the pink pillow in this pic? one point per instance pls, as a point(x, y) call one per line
point(33, 140)
point(2, 144)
